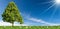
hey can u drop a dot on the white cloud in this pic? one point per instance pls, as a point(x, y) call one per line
point(27, 16)
point(41, 21)
point(9, 24)
point(4, 23)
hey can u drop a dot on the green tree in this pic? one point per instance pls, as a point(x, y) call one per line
point(12, 14)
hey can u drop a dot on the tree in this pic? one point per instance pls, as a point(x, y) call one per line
point(12, 14)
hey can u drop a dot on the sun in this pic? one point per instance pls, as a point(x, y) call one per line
point(57, 1)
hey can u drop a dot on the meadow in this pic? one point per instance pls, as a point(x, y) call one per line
point(30, 27)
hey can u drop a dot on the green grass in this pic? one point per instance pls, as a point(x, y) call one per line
point(30, 27)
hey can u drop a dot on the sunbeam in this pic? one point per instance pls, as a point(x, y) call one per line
point(52, 15)
point(47, 2)
point(47, 9)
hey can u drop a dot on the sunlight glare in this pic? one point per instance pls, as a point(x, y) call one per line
point(57, 1)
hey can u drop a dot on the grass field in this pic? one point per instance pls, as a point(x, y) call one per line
point(30, 27)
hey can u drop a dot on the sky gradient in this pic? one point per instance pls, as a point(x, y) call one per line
point(35, 12)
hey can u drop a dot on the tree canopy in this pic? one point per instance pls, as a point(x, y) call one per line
point(12, 14)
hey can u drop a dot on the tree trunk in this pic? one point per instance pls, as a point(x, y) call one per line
point(21, 25)
point(12, 24)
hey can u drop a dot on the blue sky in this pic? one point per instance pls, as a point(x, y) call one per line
point(35, 12)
